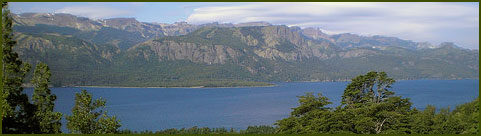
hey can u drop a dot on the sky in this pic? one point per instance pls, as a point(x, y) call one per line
point(421, 22)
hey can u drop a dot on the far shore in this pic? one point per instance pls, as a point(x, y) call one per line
point(174, 87)
point(348, 80)
point(273, 84)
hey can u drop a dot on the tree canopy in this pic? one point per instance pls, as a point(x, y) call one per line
point(87, 119)
point(49, 120)
point(17, 111)
point(368, 106)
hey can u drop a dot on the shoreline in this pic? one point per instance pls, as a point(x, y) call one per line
point(171, 87)
point(345, 80)
point(273, 84)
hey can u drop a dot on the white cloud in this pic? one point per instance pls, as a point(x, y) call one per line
point(413, 21)
point(94, 11)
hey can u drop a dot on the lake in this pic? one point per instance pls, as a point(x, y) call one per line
point(162, 108)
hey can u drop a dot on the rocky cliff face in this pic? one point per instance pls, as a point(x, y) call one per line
point(178, 28)
point(270, 42)
point(289, 44)
point(197, 53)
point(316, 33)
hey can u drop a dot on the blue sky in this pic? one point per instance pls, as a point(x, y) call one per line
point(431, 22)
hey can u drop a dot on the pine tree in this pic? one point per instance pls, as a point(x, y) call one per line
point(18, 112)
point(85, 116)
point(49, 120)
point(6, 109)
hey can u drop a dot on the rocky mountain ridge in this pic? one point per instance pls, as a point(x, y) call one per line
point(104, 52)
point(156, 30)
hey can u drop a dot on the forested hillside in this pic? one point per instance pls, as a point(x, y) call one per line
point(126, 52)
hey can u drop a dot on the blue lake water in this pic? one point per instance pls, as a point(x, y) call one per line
point(162, 108)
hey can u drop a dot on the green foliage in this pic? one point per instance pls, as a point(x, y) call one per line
point(6, 109)
point(286, 46)
point(49, 120)
point(193, 130)
point(259, 130)
point(311, 117)
point(467, 116)
point(17, 111)
point(206, 130)
point(85, 116)
point(462, 120)
point(368, 107)
point(361, 89)
point(310, 103)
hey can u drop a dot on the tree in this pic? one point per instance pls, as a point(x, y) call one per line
point(373, 105)
point(49, 120)
point(312, 116)
point(361, 89)
point(422, 121)
point(368, 107)
point(85, 116)
point(256, 130)
point(462, 120)
point(3, 101)
point(310, 103)
point(467, 115)
point(17, 111)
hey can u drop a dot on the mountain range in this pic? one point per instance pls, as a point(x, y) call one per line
point(125, 52)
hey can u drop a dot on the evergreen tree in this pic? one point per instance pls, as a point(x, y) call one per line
point(85, 116)
point(3, 101)
point(49, 120)
point(17, 111)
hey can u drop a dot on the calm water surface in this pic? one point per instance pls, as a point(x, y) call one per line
point(162, 108)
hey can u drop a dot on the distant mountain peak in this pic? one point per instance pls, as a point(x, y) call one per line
point(152, 30)
point(245, 51)
point(448, 45)
point(258, 23)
